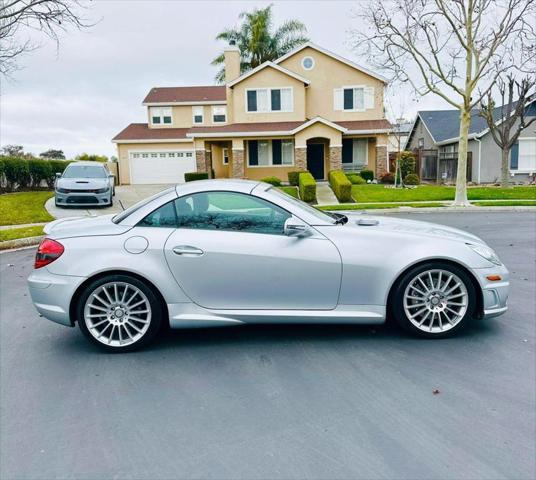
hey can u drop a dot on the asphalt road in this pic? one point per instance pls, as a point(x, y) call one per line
point(277, 402)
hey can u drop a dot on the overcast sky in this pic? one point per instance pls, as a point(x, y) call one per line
point(78, 97)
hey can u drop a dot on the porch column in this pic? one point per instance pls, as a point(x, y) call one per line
point(300, 158)
point(237, 170)
point(335, 158)
point(381, 160)
point(200, 160)
point(208, 162)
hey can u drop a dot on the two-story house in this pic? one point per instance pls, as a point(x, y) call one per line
point(310, 109)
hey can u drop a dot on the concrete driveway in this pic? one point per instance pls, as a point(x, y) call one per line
point(127, 195)
point(277, 402)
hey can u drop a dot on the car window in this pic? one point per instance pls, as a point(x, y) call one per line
point(142, 203)
point(230, 211)
point(165, 217)
point(84, 171)
point(324, 216)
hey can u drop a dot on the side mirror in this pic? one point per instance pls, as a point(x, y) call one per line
point(58, 174)
point(296, 228)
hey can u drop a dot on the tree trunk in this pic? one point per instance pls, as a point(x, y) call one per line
point(505, 169)
point(460, 199)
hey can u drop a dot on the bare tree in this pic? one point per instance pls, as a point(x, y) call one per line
point(455, 49)
point(46, 16)
point(507, 121)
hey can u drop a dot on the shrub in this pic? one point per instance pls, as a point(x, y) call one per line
point(367, 175)
point(39, 170)
point(342, 187)
point(293, 177)
point(192, 176)
point(16, 173)
point(406, 162)
point(307, 185)
point(387, 178)
point(272, 181)
point(412, 179)
point(356, 179)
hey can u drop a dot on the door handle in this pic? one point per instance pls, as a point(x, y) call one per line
point(187, 250)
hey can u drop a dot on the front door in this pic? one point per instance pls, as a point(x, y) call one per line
point(230, 252)
point(315, 160)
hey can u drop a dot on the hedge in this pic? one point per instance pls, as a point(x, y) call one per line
point(307, 185)
point(367, 175)
point(342, 187)
point(192, 176)
point(356, 179)
point(276, 182)
point(293, 177)
point(22, 173)
point(412, 179)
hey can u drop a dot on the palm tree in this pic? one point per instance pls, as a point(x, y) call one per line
point(256, 40)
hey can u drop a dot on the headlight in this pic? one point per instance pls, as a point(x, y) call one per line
point(486, 252)
point(102, 190)
point(62, 190)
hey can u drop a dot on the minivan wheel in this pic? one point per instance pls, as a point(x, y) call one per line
point(434, 300)
point(119, 313)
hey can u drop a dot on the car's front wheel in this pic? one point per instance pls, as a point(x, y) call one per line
point(434, 300)
point(119, 313)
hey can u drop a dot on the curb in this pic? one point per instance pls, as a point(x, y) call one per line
point(21, 242)
point(439, 209)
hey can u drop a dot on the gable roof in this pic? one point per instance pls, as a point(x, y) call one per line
point(140, 132)
point(333, 55)
point(185, 95)
point(262, 67)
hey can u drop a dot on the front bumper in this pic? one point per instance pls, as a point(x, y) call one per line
point(51, 294)
point(83, 198)
point(494, 293)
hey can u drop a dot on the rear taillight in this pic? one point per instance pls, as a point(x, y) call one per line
point(48, 251)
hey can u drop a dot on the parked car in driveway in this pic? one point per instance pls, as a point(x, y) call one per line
point(231, 252)
point(84, 183)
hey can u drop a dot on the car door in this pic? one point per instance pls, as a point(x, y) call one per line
point(230, 252)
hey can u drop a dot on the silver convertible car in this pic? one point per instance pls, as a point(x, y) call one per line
point(231, 252)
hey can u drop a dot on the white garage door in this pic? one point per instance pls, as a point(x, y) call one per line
point(160, 167)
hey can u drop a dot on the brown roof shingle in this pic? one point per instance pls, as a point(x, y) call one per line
point(141, 131)
point(248, 127)
point(381, 124)
point(186, 94)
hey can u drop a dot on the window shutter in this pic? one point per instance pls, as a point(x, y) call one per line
point(348, 99)
point(369, 98)
point(337, 99)
point(253, 153)
point(286, 99)
point(276, 100)
point(347, 150)
point(514, 156)
point(276, 152)
point(252, 101)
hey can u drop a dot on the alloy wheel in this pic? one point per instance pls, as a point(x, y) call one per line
point(117, 314)
point(435, 300)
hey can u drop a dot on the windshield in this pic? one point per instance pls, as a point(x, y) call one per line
point(129, 211)
point(324, 216)
point(84, 171)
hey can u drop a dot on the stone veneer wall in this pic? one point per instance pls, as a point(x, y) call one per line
point(335, 158)
point(200, 161)
point(300, 158)
point(381, 160)
point(208, 163)
point(238, 163)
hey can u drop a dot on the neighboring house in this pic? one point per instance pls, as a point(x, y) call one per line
point(399, 136)
point(434, 135)
point(310, 109)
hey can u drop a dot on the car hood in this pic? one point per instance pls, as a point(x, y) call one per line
point(411, 227)
point(82, 183)
point(84, 227)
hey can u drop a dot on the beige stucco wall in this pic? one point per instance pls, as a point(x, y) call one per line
point(124, 149)
point(318, 130)
point(182, 117)
point(328, 74)
point(268, 78)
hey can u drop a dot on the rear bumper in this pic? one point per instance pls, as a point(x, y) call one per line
point(51, 294)
point(494, 293)
point(83, 198)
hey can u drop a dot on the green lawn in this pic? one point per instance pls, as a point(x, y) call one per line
point(14, 233)
point(292, 191)
point(372, 206)
point(24, 207)
point(379, 193)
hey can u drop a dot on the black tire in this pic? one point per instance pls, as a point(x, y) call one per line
point(397, 300)
point(156, 319)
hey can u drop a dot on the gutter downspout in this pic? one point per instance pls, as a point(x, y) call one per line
point(479, 158)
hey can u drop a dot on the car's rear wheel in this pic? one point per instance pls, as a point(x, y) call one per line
point(434, 300)
point(119, 313)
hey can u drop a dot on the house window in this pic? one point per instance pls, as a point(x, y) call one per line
point(269, 100)
point(527, 155)
point(189, 154)
point(219, 114)
point(197, 114)
point(308, 63)
point(354, 153)
point(161, 115)
point(353, 99)
point(225, 156)
point(266, 153)
point(420, 143)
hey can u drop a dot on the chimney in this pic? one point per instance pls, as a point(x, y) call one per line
point(232, 62)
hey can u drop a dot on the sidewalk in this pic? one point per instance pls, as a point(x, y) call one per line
point(325, 195)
